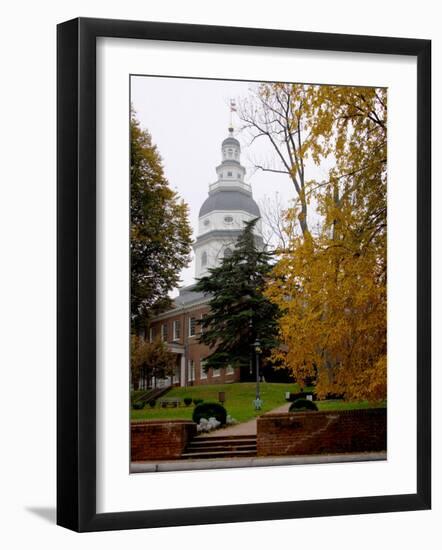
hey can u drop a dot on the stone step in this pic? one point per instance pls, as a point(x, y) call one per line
point(216, 448)
point(223, 437)
point(242, 441)
point(220, 447)
point(218, 454)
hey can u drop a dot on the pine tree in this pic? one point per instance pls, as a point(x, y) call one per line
point(239, 313)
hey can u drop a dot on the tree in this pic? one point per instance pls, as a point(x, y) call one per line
point(282, 113)
point(331, 288)
point(333, 321)
point(150, 360)
point(239, 312)
point(160, 234)
point(275, 223)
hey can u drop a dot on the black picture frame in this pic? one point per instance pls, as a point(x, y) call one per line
point(77, 287)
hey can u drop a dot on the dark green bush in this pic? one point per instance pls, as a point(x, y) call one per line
point(152, 403)
point(187, 401)
point(197, 401)
point(301, 395)
point(303, 405)
point(207, 410)
point(136, 395)
point(138, 405)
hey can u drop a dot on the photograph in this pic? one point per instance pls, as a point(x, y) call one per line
point(258, 273)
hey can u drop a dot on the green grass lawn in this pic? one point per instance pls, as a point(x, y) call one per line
point(340, 405)
point(239, 401)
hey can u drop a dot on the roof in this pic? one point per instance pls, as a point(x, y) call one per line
point(188, 296)
point(231, 141)
point(229, 200)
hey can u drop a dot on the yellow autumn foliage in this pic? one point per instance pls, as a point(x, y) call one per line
point(331, 283)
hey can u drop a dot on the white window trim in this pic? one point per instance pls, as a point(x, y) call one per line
point(190, 370)
point(203, 374)
point(190, 327)
point(174, 325)
point(216, 373)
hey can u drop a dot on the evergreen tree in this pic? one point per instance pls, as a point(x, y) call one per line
point(239, 313)
point(160, 234)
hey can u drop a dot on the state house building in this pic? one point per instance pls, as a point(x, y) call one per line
point(221, 219)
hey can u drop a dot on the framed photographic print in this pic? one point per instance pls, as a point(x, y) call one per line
point(243, 274)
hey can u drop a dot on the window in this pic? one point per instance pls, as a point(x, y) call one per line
point(206, 222)
point(192, 326)
point(239, 176)
point(176, 375)
point(151, 334)
point(164, 332)
point(227, 253)
point(176, 329)
point(204, 259)
point(191, 370)
point(228, 219)
point(203, 373)
point(229, 174)
point(230, 152)
point(230, 369)
point(216, 372)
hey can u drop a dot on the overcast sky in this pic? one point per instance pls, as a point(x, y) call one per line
point(188, 119)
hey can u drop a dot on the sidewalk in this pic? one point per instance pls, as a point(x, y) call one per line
point(215, 463)
point(244, 428)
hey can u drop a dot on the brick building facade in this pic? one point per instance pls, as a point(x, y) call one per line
point(179, 328)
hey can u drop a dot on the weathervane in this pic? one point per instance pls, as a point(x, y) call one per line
point(232, 110)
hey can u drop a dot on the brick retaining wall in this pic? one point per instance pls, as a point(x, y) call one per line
point(321, 432)
point(160, 439)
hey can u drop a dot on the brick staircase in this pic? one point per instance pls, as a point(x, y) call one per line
point(233, 446)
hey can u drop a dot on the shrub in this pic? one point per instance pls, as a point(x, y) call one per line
point(152, 403)
point(302, 405)
point(138, 405)
point(197, 401)
point(136, 395)
point(187, 401)
point(301, 395)
point(208, 410)
point(332, 395)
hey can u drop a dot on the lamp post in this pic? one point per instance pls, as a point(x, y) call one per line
point(258, 351)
